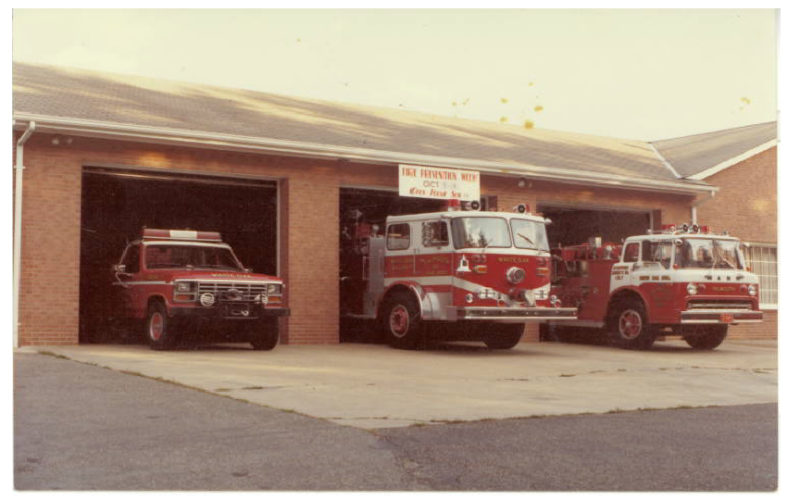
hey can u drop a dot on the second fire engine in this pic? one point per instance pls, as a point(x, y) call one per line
point(681, 281)
point(462, 275)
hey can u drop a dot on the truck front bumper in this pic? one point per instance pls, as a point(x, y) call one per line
point(512, 314)
point(228, 313)
point(722, 316)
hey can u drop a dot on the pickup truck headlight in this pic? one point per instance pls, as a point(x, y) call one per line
point(274, 289)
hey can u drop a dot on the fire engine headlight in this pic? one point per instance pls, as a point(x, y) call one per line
point(207, 299)
point(184, 286)
point(752, 290)
point(691, 289)
point(515, 275)
point(553, 299)
point(469, 298)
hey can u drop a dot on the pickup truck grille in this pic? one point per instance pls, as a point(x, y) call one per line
point(720, 304)
point(232, 291)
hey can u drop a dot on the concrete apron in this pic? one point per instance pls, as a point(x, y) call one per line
point(374, 386)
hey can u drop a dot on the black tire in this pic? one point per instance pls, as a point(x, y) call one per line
point(629, 327)
point(707, 337)
point(505, 336)
point(402, 323)
point(159, 328)
point(264, 335)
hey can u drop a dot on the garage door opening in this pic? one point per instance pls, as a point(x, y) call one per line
point(363, 210)
point(116, 204)
point(575, 225)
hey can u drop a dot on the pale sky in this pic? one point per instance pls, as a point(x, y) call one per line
point(638, 74)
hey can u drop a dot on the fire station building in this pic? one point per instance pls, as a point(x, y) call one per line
point(98, 156)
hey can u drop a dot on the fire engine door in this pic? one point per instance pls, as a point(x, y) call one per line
point(433, 257)
point(623, 272)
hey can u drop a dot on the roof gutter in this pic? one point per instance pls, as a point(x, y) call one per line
point(190, 138)
point(18, 169)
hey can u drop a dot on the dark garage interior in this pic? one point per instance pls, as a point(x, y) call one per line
point(116, 205)
point(573, 226)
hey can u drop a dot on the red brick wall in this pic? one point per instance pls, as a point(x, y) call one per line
point(309, 224)
point(767, 330)
point(747, 202)
point(747, 206)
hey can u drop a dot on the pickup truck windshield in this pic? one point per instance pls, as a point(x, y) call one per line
point(480, 232)
point(701, 253)
point(191, 257)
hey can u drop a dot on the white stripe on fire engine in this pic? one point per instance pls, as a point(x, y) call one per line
point(448, 280)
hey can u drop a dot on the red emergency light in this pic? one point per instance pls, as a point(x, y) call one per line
point(452, 205)
point(180, 234)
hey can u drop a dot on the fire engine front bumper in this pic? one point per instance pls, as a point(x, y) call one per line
point(512, 314)
point(722, 316)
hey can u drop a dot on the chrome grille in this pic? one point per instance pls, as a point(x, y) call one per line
point(223, 291)
point(720, 304)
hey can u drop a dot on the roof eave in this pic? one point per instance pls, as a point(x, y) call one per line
point(190, 138)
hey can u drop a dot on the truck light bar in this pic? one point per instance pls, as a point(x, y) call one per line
point(180, 234)
point(685, 228)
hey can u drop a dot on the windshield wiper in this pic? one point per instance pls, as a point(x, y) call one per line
point(533, 245)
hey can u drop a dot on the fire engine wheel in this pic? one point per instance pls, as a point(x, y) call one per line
point(402, 322)
point(630, 329)
point(505, 336)
point(265, 335)
point(160, 334)
point(707, 337)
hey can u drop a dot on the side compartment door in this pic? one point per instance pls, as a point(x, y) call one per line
point(399, 261)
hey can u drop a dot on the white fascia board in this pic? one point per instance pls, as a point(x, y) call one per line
point(191, 138)
point(733, 161)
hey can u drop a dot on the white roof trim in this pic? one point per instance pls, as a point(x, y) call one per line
point(733, 161)
point(191, 138)
point(664, 160)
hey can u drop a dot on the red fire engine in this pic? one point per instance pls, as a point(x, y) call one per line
point(175, 282)
point(461, 275)
point(683, 281)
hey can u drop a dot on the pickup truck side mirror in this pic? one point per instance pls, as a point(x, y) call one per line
point(118, 268)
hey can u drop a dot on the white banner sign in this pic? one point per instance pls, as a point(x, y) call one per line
point(440, 183)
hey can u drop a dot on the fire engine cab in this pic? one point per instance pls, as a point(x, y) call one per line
point(683, 281)
point(189, 284)
point(456, 274)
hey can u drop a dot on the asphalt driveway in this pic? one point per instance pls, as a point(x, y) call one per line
point(373, 386)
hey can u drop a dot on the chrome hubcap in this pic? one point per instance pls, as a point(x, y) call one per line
point(399, 320)
point(630, 324)
point(156, 326)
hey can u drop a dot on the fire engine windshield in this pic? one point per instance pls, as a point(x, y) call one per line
point(193, 257)
point(705, 253)
point(480, 232)
point(529, 234)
